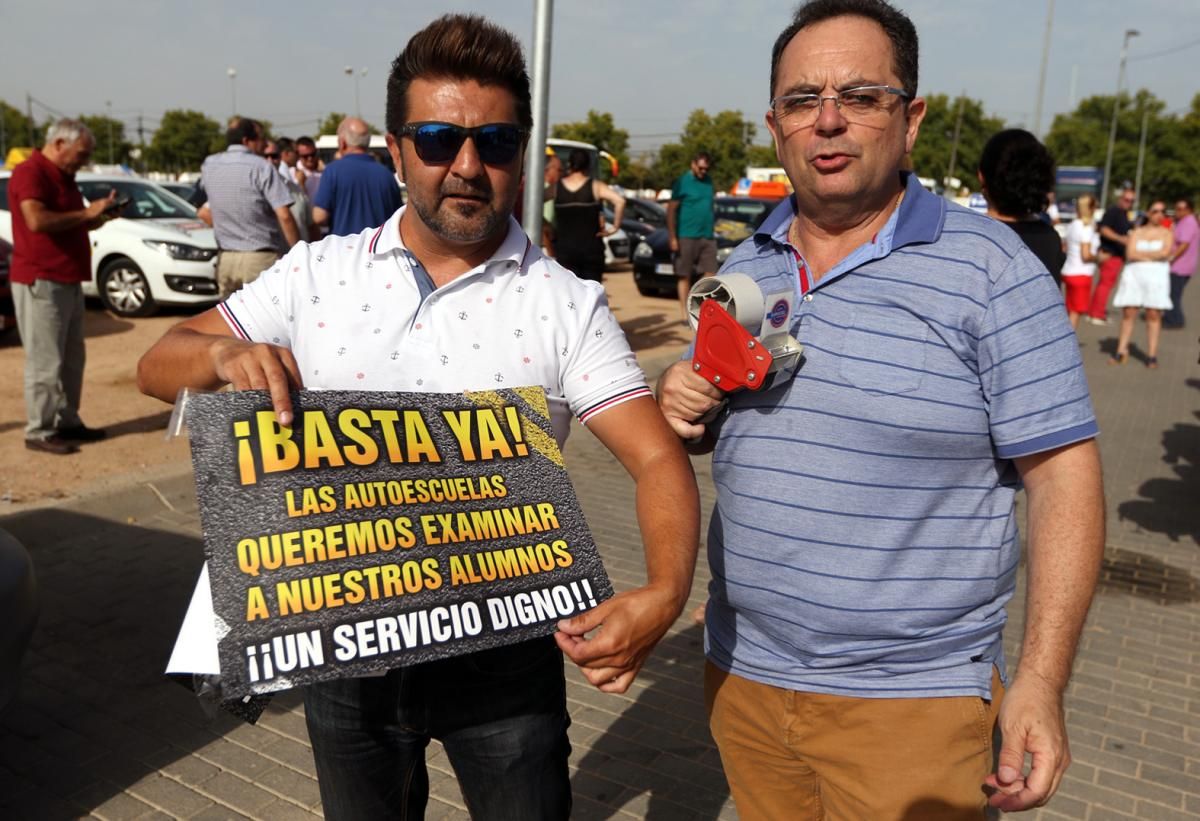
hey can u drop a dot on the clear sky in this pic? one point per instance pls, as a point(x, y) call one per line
point(648, 62)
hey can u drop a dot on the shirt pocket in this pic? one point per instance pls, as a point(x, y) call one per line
point(882, 351)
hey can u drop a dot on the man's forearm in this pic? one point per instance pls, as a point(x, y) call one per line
point(181, 359)
point(54, 222)
point(668, 513)
point(1065, 548)
point(291, 233)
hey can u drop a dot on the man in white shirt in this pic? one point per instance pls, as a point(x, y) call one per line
point(450, 295)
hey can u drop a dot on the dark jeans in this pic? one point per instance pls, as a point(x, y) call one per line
point(501, 716)
point(1174, 317)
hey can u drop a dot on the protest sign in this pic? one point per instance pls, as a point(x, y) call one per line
point(382, 530)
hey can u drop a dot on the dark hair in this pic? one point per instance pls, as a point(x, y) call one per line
point(1018, 173)
point(1186, 201)
point(462, 47)
point(285, 144)
point(896, 25)
point(306, 142)
point(242, 129)
point(702, 155)
point(579, 160)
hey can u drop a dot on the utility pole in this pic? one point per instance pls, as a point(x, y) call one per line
point(535, 159)
point(1137, 185)
point(108, 106)
point(1037, 112)
point(954, 144)
point(29, 114)
point(141, 143)
point(1106, 192)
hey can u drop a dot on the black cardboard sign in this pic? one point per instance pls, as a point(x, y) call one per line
point(383, 530)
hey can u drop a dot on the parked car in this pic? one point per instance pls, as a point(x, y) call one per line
point(157, 252)
point(616, 248)
point(8, 316)
point(735, 219)
point(189, 191)
point(635, 228)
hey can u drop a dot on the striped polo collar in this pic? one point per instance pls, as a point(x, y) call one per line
point(386, 239)
point(920, 219)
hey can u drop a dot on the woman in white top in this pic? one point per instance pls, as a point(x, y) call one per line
point(1082, 241)
point(1145, 283)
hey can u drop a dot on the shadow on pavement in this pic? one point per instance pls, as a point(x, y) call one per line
point(1168, 505)
point(94, 714)
point(655, 330)
point(155, 421)
point(659, 749)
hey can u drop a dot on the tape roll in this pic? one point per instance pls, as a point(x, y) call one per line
point(736, 293)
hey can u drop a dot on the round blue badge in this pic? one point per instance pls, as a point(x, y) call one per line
point(778, 313)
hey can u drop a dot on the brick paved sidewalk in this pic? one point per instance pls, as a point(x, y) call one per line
point(98, 732)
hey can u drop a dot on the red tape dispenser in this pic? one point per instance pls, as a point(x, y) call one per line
point(741, 336)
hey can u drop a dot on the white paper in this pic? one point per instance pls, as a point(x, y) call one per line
point(196, 646)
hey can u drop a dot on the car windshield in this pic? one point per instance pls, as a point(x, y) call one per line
point(646, 211)
point(736, 219)
point(146, 200)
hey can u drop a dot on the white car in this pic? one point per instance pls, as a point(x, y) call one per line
point(156, 253)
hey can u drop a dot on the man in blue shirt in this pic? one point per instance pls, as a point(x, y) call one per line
point(864, 543)
point(356, 191)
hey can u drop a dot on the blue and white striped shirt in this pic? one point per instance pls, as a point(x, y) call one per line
point(864, 541)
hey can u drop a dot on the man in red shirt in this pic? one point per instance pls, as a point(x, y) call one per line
point(51, 257)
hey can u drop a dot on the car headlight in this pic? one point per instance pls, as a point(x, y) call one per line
point(723, 254)
point(177, 250)
point(643, 250)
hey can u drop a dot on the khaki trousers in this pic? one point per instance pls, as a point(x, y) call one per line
point(800, 756)
point(237, 268)
point(50, 321)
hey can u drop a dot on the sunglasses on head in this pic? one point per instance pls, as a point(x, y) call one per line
point(437, 143)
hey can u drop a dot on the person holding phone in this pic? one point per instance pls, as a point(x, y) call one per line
point(51, 258)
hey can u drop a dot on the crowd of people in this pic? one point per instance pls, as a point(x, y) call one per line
point(864, 543)
point(1148, 259)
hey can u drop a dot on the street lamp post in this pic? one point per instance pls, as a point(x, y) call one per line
point(349, 72)
point(108, 105)
point(1105, 193)
point(232, 72)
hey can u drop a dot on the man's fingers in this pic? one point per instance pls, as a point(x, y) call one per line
point(1011, 760)
point(585, 622)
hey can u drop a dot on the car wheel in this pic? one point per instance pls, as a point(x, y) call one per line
point(124, 289)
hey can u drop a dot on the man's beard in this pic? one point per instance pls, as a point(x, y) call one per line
point(484, 223)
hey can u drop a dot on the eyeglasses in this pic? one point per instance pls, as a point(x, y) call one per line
point(437, 143)
point(312, 156)
point(1157, 211)
point(271, 156)
point(862, 103)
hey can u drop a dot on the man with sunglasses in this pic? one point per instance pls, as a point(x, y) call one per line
point(459, 298)
point(308, 166)
point(864, 543)
point(277, 154)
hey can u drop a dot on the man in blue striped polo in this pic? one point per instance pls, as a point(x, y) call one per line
point(864, 543)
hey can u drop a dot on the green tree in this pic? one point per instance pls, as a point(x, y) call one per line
point(599, 130)
point(183, 140)
point(1171, 167)
point(726, 136)
point(932, 153)
point(15, 130)
point(103, 129)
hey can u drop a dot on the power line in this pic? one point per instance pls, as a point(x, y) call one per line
point(1165, 52)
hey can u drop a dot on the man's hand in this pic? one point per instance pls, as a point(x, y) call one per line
point(684, 396)
point(630, 624)
point(101, 207)
point(674, 243)
point(261, 367)
point(1031, 721)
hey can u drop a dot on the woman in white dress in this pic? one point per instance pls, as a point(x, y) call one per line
point(1082, 242)
point(1145, 283)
